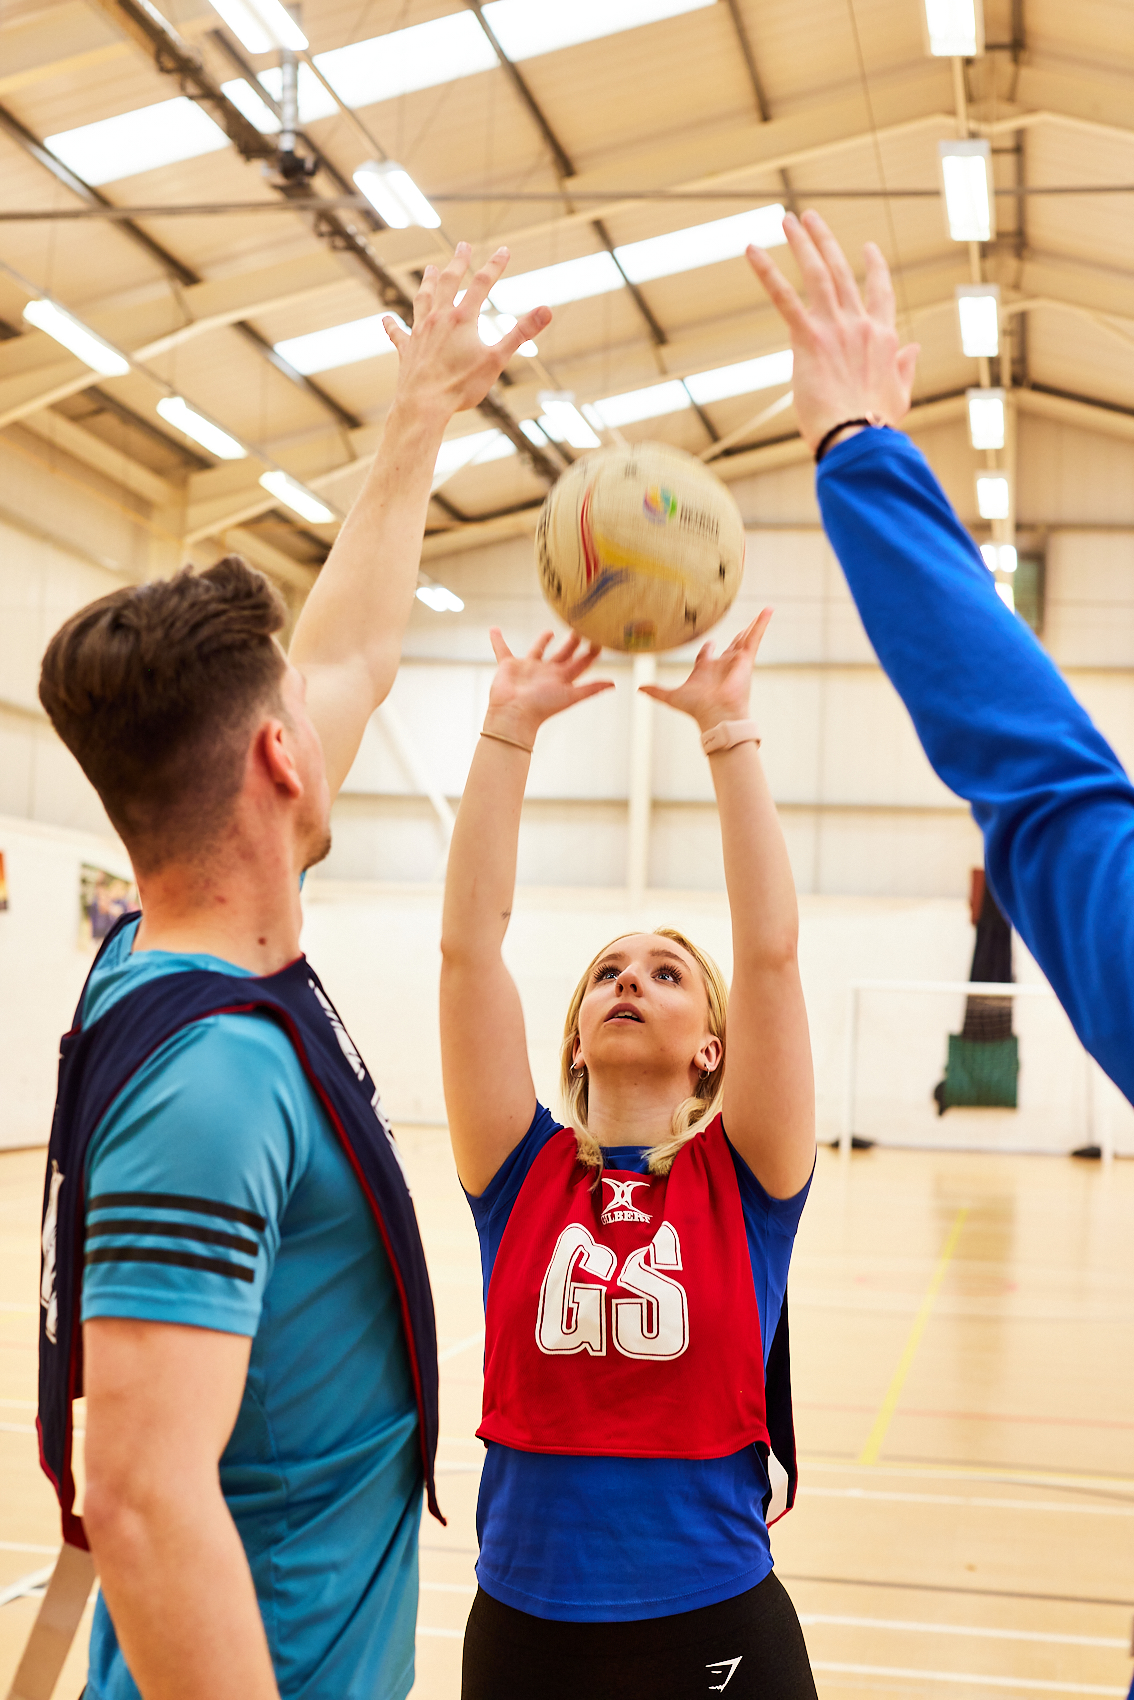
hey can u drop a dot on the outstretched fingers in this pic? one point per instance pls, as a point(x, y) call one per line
point(499, 647)
point(880, 303)
point(483, 282)
point(449, 281)
point(396, 331)
point(835, 260)
point(526, 328)
point(778, 289)
point(539, 647)
point(822, 296)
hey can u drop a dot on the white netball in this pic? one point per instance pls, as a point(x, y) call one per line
point(640, 548)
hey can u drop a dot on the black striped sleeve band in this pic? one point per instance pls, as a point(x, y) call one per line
point(172, 1231)
point(178, 1259)
point(176, 1201)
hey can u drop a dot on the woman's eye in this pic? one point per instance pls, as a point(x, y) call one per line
point(604, 973)
point(670, 974)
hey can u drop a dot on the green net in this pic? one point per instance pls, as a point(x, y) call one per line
point(981, 1072)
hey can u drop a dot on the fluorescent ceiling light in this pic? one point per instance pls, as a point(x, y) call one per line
point(297, 497)
point(986, 418)
point(339, 345)
point(474, 449)
point(763, 373)
point(992, 494)
point(999, 557)
point(257, 111)
point(261, 25)
point(955, 28)
point(420, 57)
point(565, 421)
point(966, 175)
point(395, 196)
point(47, 315)
point(524, 29)
point(175, 410)
point(617, 410)
point(436, 596)
point(701, 244)
point(1007, 595)
point(978, 309)
point(142, 140)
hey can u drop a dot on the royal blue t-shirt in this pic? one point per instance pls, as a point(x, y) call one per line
point(606, 1540)
point(218, 1164)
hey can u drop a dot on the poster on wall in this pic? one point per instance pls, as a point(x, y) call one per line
point(103, 898)
point(3, 883)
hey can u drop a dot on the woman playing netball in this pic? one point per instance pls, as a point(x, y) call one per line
point(635, 1262)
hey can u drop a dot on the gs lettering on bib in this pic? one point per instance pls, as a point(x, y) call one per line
point(621, 1317)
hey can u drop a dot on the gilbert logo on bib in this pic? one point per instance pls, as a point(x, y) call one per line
point(622, 1321)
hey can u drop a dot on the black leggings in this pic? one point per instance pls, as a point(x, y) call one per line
point(747, 1648)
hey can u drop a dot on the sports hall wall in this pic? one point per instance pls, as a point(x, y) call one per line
point(881, 849)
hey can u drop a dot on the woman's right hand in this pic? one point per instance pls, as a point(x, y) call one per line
point(529, 689)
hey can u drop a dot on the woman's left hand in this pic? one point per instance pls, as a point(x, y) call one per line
point(718, 687)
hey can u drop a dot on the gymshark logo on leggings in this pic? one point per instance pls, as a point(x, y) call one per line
point(719, 1669)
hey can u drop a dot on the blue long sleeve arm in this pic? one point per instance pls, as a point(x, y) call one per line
point(1001, 728)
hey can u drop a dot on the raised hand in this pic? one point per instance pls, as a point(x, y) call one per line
point(848, 364)
point(719, 685)
point(442, 361)
point(529, 689)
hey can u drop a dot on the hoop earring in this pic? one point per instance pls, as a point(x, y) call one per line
point(578, 1068)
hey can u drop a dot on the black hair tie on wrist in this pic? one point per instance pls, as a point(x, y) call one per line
point(826, 442)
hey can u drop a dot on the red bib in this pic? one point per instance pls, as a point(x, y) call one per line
point(621, 1317)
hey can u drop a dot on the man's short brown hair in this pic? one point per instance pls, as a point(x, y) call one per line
point(155, 689)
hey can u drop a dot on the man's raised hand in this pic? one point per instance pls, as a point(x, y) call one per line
point(442, 361)
point(848, 364)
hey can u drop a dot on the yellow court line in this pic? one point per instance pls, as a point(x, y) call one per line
point(870, 1452)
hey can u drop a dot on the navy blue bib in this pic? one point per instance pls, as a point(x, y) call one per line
point(96, 1062)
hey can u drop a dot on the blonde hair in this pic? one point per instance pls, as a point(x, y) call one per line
point(692, 1113)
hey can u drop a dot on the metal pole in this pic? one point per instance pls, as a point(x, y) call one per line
point(847, 1129)
point(645, 672)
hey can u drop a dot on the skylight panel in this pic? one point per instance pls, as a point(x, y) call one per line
point(763, 373)
point(420, 57)
point(141, 140)
point(314, 101)
point(245, 99)
point(650, 403)
point(701, 244)
point(339, 345)
point(551, 286)
point(525, 28)
point(476, 448)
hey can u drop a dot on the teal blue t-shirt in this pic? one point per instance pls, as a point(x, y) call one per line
point(219, 1197)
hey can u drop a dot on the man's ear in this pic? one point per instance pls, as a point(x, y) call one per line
point(270, 747)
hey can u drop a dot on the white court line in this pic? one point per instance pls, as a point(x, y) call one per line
point(17, 1428)
point(457, 1469)
point(459, 1635)
point(1055, 1505)
point(1028, 1685)
point(23, 1546)
point(460, 1346)
point(19, 1404)
point(29, 1584)
point(965, 1629)
point(467, 1588)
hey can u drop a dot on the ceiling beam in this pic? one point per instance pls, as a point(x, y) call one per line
point(94, 452)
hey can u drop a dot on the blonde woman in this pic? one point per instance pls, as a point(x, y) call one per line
point(635, 1262)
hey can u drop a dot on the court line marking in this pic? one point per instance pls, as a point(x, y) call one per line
point(889, 1405)
point(1062, 1507)
point(965, 1629)
point(460, 1346)
point(1027, 1684)
point(17, 1428)
point(459, 1635)
point(25, 1546)
point(25, 1585)
point(946, 1588)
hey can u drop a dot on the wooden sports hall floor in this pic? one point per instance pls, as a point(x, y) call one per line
point(964, 1377)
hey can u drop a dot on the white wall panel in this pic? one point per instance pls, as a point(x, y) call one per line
point(1090, 598)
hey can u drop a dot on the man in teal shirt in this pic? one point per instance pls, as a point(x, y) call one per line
point(253, 1464)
